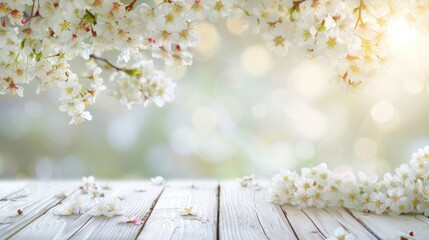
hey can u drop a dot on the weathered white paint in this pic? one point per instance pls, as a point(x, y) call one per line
point(223, 210)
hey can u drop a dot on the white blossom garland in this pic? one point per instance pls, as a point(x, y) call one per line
point(404, 191)
point(39, 38)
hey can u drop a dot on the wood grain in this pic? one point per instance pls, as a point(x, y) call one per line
point(245, 213)
point(329, 219)
point(165, 222)
point(8, 188)
point(391, 227)
point(138, 204)
point(302, 225)
point(50, 226)
point(40, 198)
point(223, 210)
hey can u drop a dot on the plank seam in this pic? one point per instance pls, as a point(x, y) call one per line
point(257, 216)
point(318, 229)
point(218, 211)
point(288, 221)
point(77, 230)
point(37, 217)
point(337, 220)
point(415, 216)
point(260, 224)
point(362, 223)
point(4, 198)
point(149, 212)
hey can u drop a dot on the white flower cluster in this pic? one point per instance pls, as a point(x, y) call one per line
point(404, 191)
point(150, 86)
point(91, 201)
point(351, 35)
point(39, 38)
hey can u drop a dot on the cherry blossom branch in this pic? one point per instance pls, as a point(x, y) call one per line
point(128, 71)
point(360, 9)
point(170, 30)
point(92, 56)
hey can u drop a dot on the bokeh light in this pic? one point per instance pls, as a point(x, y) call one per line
point(383, 112)
point(235, 26)
point(239, 110)
point(400, 32)
point(309, 79)
point(413, 86)
point(256, 60)
point(209, 42)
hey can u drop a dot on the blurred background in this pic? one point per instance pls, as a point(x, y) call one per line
point(239, 110)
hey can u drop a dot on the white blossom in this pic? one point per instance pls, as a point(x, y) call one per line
point(404, 191)
point(341, 234)
point(187, 211)
point(77, 205)
point(107, 206)
point(246, 181)
point(39, 45)
point(158, 180)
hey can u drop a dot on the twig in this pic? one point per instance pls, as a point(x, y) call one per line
point(130, 6)
point(361, 7)
point(107, 62)
point(135, 72)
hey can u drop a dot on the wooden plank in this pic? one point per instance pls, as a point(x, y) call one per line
point(138, 204)
point(50, 226)
point(390, 227)
point(41, 196)
point(8, 188)
point(423, 218)
point(302, 225)
point(245, 213)
point(329, 219)
point(165, 222)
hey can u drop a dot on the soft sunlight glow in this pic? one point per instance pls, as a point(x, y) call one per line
point(400, 32)
point(311, 123)
point(235, 26)
point(310, 79)
point(383, 112)
point(209, 42)
point(256, 60)
point(413, 86)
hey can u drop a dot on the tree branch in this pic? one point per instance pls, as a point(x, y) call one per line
point(360, 9)
point(107, 62)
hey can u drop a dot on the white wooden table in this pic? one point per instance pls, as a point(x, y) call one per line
point(224, 210)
